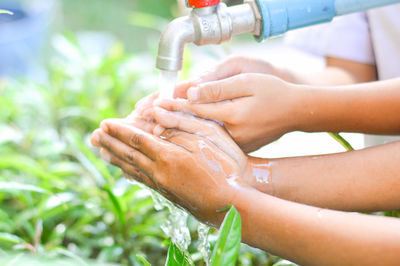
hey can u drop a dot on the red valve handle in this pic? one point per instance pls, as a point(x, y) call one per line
point(202, 3)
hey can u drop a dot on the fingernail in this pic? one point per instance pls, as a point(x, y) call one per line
point(158, 130)
point(193, 94)
point(105, 155)
point(104, 127)
point(96, 136)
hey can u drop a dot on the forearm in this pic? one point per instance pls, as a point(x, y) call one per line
point(330, 76)
point(312, 236)
point(371, 108)
point(365, 180)
point(337, 72)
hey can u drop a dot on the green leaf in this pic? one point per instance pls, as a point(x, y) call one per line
point(117, 205)
point(14, 186)
point(143, 260)
point(342, 141)
point(177, 257)
point(9, 238)
point(226, 250)
point(2, 11)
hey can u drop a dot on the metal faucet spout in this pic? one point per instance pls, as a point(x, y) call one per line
point(172, 43)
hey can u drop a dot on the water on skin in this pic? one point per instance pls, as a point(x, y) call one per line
point(262, 172)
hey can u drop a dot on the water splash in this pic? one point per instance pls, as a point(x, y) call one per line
point(204, 245)
point(175, 227)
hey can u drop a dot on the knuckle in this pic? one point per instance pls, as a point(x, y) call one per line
point(132, 156)
point(214, 92)
point(136, 139)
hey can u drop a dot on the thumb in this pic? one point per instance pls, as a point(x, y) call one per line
point(217, 91)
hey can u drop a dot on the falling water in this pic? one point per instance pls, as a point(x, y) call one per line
point(175, 226)
point(166, 83)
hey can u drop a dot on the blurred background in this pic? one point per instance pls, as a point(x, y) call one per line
point(66, 65)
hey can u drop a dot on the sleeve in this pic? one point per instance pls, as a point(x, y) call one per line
point(346, 37)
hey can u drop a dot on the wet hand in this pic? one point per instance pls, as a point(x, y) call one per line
point(256, 109)
point(200, 174)
point(140, 117)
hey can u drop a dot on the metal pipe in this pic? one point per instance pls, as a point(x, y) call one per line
point(262, 18)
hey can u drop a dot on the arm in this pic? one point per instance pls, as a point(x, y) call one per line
point(367, 108)
point(365, 180)
point(258, 108)
point(204, 178)
point(312, 236)
point(337, 72)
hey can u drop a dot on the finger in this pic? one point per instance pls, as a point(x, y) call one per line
point(130, 169)
point(200, 127)
point(182, 87)
point(180, 138)
point(214, 111)
point(186, 122)
point(146, 125)
point(134, 137)
point(126, 153)
point(221, 90)
point(94, 138)
point(225, 69)
point(143, 104)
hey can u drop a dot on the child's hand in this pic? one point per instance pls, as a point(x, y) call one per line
point(256, 109)
point(228, 68)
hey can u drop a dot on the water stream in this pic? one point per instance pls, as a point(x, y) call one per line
point(175, 226)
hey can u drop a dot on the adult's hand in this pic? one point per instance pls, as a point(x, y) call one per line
point(141, 117)
point(199, 173)
point(256, 109)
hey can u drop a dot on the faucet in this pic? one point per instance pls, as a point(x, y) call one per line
point(212, 22)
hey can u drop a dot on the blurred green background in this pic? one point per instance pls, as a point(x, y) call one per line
point(121, 18)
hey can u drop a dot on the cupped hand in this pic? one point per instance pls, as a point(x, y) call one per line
point(256, 109)
point(199, 173)
point(141, 117)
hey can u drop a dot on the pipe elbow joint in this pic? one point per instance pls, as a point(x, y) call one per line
point(172, 43)
point(209, 25)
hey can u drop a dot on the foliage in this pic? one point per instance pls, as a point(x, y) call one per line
point(227, 247)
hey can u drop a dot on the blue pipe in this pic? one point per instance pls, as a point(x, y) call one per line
point(280, 16)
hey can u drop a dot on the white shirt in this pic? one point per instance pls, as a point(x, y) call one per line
point(371, 37)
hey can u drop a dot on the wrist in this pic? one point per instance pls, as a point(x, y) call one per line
point(258, 174)
point(307, 108)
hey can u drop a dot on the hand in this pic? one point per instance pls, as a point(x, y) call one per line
point(230, 67)
point(141, 116)
point(256, 109)
point(200, 173)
